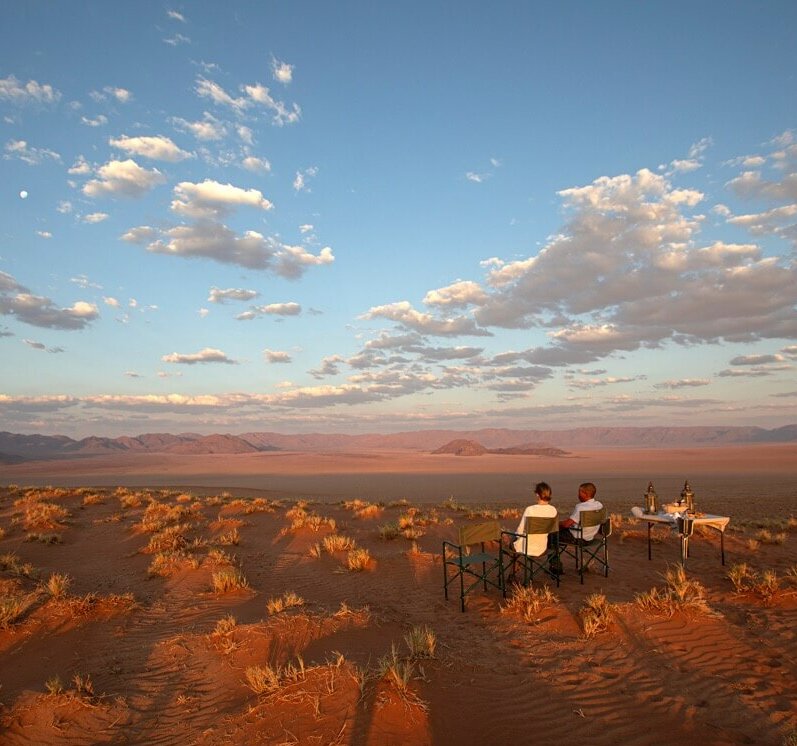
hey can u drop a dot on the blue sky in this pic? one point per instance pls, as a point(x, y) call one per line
point(367, 217)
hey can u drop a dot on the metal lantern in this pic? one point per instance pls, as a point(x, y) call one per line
point(688, 497)
point(650, 499)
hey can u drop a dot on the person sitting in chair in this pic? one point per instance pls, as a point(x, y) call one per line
point(586, 501)
point(542, 508)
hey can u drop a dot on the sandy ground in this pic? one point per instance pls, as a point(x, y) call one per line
point(150, 641)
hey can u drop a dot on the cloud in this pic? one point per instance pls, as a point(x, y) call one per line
point(300, 180)
point(216, 241)
point(276, 356)
point(756, 359)
point(176, 16)
point(256, 165)
point(110, 301)
point(281, 71)
point(20, 150)
point(123, 178)
point(208, 89)
point(16, 300)
point(272, 309)
point(95, 217)
point(752, 185)
point(177, 40)
point(80, 167)
point(222, 296)
point(99, 121)
point(460, 294)
point(44, 234)
point(476, 177)
point(686, 165)
point(591, 383)
point(207, 129)
point(281, 113)
point(42, 347)
point(205, 355)
point(682, 383)
point(157, 148)
point(15, 91)
point(329, 367)
point(210, 199)
point(424, 323)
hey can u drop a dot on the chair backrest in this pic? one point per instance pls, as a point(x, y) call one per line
point(592, 518)
point(479, 532)
point(536, 524)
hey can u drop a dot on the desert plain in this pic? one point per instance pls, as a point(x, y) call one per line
point(297, 598)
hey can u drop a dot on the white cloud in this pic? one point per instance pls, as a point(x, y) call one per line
point(424, 323)
point(95, 217)
point(99, 121)
point(32, 156)
point(80, 167)
point(216, 241)
point(203, 312)
point(246, 134)
point(123, 178)
point(281, 114)
point(475, 177)
point(272, 309)
point(158, 148)
point(306, 228)
point(682, 383)
point(205, 355)
point(757, 359)
point(218, 295)
point(276, 356)
point(460, 294)
point(210, 199)
point(177, 40)
point(122, 95)
point(256, 165)
point(15, 91)
point(17, 301)
point(685, 166)
point(176, 16)
point(44, 234)
point(282, 71)
point(207, 129)
point(208, 89)
point(64, 207)
point(300, 180)
point(110, 301)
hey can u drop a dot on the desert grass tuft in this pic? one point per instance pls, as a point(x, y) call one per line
point(230, 538)
point(84, 687)
point(168, 539)
point(421, 641)
point(358, 560)
point(229, 579)
point(742, 576)
point(44, 515)
point(528, 601)
point(44, 538)
point(287, 600)
point(679, 593)
point(338, 543)
point(765, 536)
point(58, 585)
point(54, 685)
point(595, 614)
point(10, 563)
point(396, 670)
point(389, 532)
point(11, 609)
point(166, 564)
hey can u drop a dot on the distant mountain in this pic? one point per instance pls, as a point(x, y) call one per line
point(16, 447)
point(461, 447)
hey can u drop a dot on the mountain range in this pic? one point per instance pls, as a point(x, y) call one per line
point(15, 448)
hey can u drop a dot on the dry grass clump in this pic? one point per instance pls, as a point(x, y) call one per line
point(229, 579)
point(765, 584)
point(158, 516)
point(421, 641)
point(44, 538)
point(229, 538)
point(595, 614)
point(358, 560)
point(269, 679)
point(398, 672)
point(338, 543)
point(301, 518)
point(10, 563)
point(54, 685)
point(765, 536)
point(44, 515)
point(261, 505)
point(166, 564)
point(363, 509)
point(12, 608)
point(389, 532)
point(84, 687)
point(58, 584)
point(287, 600)
point(222, 635)
point(679, 593)
point(94, 498)
point(528, 601)
point(169, 539)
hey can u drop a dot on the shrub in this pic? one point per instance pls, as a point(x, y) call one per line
point(358, 560)
point(229, 579)
point(595, 614)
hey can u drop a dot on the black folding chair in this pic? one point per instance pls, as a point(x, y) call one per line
point(593, 550)
point(532, 564)
point(477, 556)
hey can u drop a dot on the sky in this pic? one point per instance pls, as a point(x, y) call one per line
point(378, 217)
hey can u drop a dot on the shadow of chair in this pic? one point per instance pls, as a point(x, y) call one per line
point(596, 549)
point(539, 551)
point(475, 560)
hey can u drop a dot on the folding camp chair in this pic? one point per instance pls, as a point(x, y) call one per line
point(477, 556)
point(595, 549)
point(540, 550)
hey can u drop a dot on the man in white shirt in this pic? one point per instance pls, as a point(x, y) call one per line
point(586, 501)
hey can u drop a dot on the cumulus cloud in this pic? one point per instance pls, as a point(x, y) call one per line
point(756, 359)
point(403, 313)
point(158, 148)
point(206, 129)
point(210, 199)
point(272, 309)
point(282, 71)
point(17, 301)
point(256, 165)
point(19, 93)
point(217, 295)
point(276, 356)
point(205, 355)
point(20, 150)
point(282, 114)
point(95, 217)
point(109, 300)
point(216, 241)
point(459, 294)
point(124, 179)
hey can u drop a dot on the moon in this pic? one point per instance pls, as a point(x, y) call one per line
point(23, 194)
